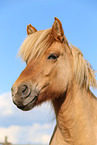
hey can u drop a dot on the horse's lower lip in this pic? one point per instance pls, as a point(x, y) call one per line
point(21, 107)
point(26, 107)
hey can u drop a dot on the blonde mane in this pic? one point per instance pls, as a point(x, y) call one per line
point(38, 42)
point(82, 69)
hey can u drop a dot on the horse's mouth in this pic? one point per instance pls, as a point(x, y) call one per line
point(28, 106)
point(28, 101)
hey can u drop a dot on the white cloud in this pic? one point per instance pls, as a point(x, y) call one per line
point(43, 113)
point(25, 127)
point(5, 104)
point(36, 133)
point(11, 132)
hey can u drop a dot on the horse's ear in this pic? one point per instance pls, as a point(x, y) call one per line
point(58, 30)
point(30, 29)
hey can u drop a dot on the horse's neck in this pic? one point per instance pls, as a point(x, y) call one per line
point(76, 115)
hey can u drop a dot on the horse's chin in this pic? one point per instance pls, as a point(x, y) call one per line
point(27, 106)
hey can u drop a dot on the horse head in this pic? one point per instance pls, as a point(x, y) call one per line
point(49, 67)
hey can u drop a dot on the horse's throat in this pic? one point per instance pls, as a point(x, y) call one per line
point(72, 116)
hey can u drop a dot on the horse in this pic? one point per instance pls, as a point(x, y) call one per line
point(56, 71)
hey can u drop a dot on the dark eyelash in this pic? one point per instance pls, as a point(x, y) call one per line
point(53, 56)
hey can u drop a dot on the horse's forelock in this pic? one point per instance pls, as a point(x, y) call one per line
point(35, 44)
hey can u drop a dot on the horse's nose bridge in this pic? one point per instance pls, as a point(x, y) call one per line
point(28, 74)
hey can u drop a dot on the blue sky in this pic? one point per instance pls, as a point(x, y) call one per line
point(79, 20)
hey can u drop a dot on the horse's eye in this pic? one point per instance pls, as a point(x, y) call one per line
point(53, 56)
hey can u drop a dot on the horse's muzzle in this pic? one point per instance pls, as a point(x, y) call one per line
point(24, 95)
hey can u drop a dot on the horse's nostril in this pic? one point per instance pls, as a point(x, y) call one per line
point(24, 89)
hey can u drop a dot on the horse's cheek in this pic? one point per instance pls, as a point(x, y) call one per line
point(48, 71)
point(63, 77)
